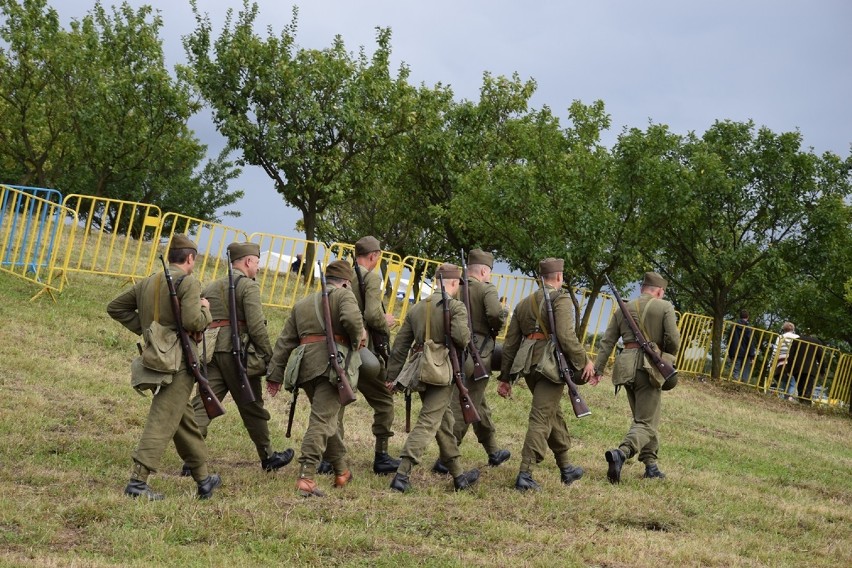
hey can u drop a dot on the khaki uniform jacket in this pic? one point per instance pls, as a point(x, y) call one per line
point(413, 330)
point(136, 307)
point(659, 325)
point(486, 313)
point(524, 322)
point(249, 310)
point(371, 305)
point(306, 319)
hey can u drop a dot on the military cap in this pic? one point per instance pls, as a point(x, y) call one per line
point(180, 241)
point(654, 279)
point(366, 245)
point(340, 269)
point(239, 250)
point(479, 256)
point(448, 271)
point(550, 265)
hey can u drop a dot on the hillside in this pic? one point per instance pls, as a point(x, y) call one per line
point(752, 480)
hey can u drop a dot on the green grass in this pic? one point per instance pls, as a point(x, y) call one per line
point(752, 480)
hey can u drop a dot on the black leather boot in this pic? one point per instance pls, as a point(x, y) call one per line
point(138, 488)
point(653, 472)
point(325, 468)
point(525, 482)
point(440, 468)
point(185, 471)
point(498, 457)
point(615, 458)
point(277, 460)
point(570, 473)
point(465, 480)
point(400, 483)
point(206, 487)
point(383, 464)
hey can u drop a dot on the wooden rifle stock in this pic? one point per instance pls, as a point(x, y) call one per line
point(479, 370)
point(580, 407)
point(292, 412)
point(212, 406)
point(469, 412)
point(344, 389)
point(666, 369)
point(246, 392)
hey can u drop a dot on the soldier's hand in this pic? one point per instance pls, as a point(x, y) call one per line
point(588, 371)
point(205, 303)
point(504, 389)
point(390, 387)
point(363, 342)
point(595, 379)
point(390, 319)
point(272, 388)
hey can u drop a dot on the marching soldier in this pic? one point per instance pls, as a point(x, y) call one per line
point(301, 349)
point(524, 348)
point(422, 329)
point(487, 316)
point(171, 416)
point(222, 373)
point(656, 320)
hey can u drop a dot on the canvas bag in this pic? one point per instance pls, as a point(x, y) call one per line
point(435, 369)
point(142, 378)
point(161, 349)
point(547, 366)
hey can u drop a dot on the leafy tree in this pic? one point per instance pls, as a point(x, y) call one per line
point(729, 208)
point(312, 119)
point(94, 111)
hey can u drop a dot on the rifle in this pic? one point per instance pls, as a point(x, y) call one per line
point(479, 371)
point(292, 412)
point(580, 407)
point(212, 405)
point(469, 411)
point(407, 411)
point(236, 344)
point(381, 342)
point(344, 389)
point(666, 369)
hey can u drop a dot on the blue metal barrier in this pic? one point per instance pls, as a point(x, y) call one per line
point(33, 214)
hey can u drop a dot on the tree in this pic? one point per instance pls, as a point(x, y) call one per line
point(93, 110)
point(729, 208)
point(310, 118)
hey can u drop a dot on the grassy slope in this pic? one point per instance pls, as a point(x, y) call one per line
point(753, 481)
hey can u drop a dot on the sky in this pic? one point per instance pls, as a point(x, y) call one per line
point(784, 64)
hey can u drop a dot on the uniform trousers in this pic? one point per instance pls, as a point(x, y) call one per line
point(380, 400)
point(484, 429)
point(546, 428)
point(323, 437)
point(171, 418)
point(435, 421)
point(645, 401)
point(223, 378)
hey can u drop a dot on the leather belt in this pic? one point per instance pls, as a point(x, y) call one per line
point(632, 345)
point(536, 335)
point(223, 323)
point(317, 338)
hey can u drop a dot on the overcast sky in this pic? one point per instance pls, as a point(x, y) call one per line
point(784, 64)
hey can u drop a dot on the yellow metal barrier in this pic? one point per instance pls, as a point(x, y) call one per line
point(35, 239)
point(695, 340)
point(390, 269)
point(119, 237)
point(212, 240)
point(283, 283)
point(415, 282)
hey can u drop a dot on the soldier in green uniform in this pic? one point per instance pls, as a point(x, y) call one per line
point(525, 347)
point(656, 320)
point(423, 325)
point(222, 371)
point(300, 358)
point(368, 292)
point(171, 416)
point(487, 316)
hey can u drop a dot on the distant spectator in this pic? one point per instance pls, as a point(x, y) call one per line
point(805, 361)
point(296, 266)
point(741, 350)
point(784, 381)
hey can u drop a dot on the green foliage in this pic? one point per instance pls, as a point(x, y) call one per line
point(310, 118)
point(93, 110)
